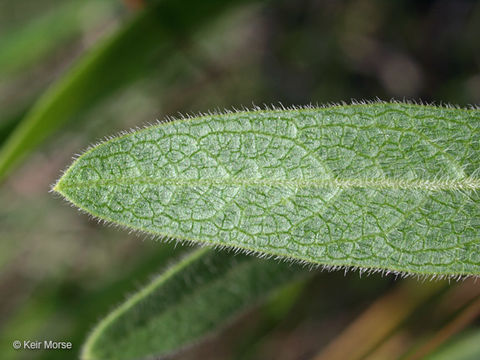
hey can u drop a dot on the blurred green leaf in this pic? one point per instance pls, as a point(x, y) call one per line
point(7, 126)
point(466, 346)
point(189, 300)
point(270, 316)
point(386, 186)
point(24, 46)
point(143, 43)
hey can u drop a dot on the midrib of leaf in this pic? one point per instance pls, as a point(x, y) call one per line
point(467, 183)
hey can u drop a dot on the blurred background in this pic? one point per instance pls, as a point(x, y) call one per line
point(75, 71)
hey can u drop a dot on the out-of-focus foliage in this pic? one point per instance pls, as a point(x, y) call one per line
point(25, 45)
point(61, 272)
point(151, 36)
point(32, 46)
point(465, 346)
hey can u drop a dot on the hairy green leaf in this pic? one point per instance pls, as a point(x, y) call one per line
point(386, 186)
point(189, 300)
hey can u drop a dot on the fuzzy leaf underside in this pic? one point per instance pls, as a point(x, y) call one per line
point(192, 298)
point(386, 186)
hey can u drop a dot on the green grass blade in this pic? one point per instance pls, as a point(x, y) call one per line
point(8, 125)
point(90, 79)
point(463, 347)
point(25, 45)
point(192, 298)
point(134, 50)
point(385, 186)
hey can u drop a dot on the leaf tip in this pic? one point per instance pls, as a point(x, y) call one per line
point(57, 187)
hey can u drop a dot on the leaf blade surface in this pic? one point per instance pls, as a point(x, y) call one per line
point(381, 186)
